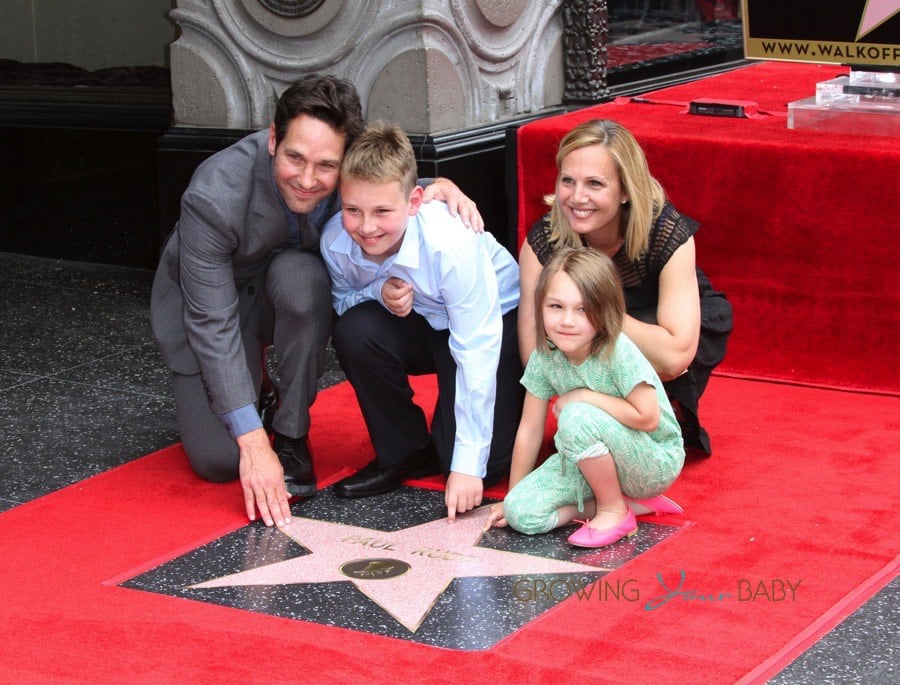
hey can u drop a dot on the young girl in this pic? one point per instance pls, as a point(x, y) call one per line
point(618, 442)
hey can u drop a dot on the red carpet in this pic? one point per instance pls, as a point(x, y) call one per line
point(788, 527)
point(801, 489)
point(798, 227)
point(624, 54)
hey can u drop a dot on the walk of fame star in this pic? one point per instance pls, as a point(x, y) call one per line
point(393, 565)
point(430, 554)
point(875, 14)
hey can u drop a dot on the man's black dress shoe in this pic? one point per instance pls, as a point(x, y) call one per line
point(269, 401)
point(295, 458)
point(267, 406)
point(374, 480)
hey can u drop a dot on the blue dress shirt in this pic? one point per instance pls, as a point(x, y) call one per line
point(462, 281)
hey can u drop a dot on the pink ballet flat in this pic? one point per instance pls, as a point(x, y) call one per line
point(591, 537)
point(660, 505)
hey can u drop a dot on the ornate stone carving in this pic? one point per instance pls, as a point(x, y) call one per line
point(585, 32)
point(292, 8)
point(428, 65)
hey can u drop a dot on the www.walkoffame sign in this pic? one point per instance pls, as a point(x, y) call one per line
point(855, 32)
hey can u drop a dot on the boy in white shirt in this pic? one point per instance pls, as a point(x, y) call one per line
point(416, 292)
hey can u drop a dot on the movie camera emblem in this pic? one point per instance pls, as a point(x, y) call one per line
point(374, 569)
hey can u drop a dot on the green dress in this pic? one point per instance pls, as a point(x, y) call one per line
point(647, 463)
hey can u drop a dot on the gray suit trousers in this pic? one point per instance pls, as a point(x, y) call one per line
point(297, 313)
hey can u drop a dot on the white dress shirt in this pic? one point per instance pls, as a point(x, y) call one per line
point(461, 280)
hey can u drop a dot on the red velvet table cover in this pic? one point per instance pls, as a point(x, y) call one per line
point(798, 227)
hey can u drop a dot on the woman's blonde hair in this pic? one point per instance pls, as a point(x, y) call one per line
point(597, 279)
point(382, 153)
point(645, 195)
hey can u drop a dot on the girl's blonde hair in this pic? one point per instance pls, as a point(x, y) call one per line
point(597, 279)
point(645, 195)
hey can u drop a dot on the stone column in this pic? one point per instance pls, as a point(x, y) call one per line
point(431, 66)
point(585, 34)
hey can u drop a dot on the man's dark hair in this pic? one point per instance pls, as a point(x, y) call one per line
point(326, 98)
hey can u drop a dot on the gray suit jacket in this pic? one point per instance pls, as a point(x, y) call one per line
point(210, 282)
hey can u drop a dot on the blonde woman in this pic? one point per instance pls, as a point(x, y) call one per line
point(607, 199)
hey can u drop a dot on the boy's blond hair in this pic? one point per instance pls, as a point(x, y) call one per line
point(381, 154)
point(596, 278)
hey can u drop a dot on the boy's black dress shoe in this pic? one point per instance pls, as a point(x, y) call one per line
point(295, 458)
point(374, 480)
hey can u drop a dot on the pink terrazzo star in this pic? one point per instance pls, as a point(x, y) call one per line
point(876, 13)
point(427, 558)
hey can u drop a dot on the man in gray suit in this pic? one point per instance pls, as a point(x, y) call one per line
point(242, 270)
